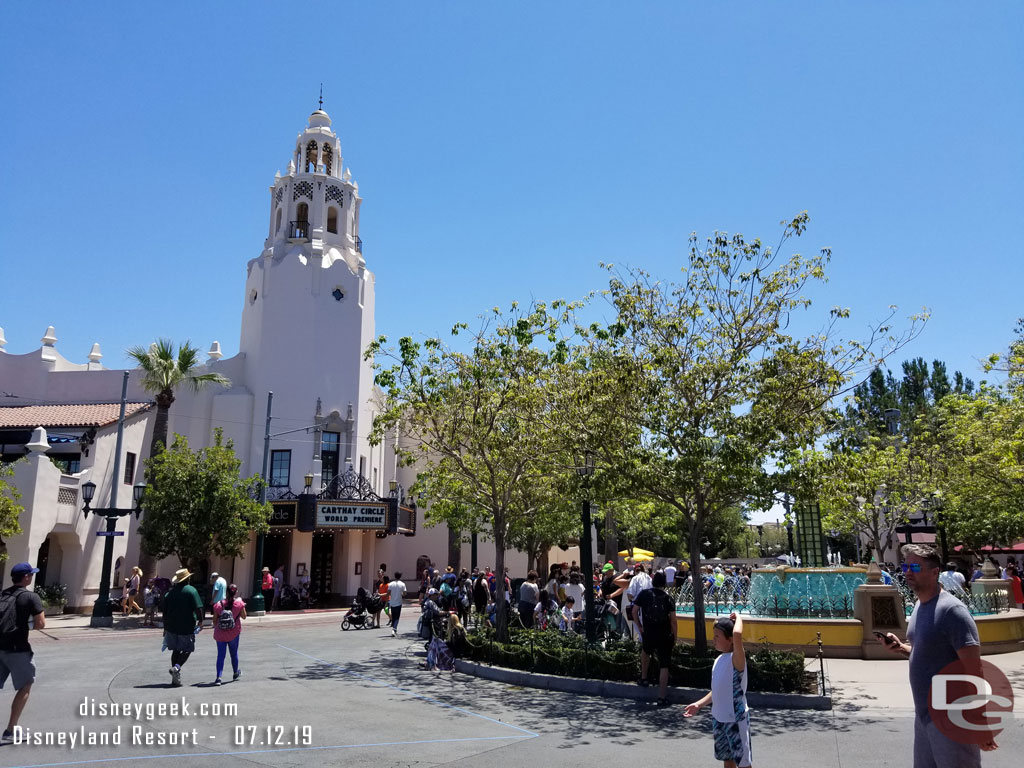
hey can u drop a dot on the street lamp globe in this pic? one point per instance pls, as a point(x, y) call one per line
point(88, 491)
point(585, 465)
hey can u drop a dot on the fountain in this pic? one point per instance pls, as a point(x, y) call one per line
point(789, 606)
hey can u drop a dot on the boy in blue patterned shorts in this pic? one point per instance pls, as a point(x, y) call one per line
point(730, 717)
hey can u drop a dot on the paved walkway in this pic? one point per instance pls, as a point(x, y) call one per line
point(365, 699)
point(869, 685)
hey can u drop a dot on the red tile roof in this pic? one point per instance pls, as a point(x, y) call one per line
point(66, 415)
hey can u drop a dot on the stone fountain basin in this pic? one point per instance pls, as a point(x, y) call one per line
point(845, 638)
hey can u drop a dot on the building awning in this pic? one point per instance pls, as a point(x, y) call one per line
point(1018, 547)
point(66, 414)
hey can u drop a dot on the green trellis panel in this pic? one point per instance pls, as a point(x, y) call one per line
point(810, 541)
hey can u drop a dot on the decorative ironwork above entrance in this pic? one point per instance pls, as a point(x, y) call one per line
point(349, 485)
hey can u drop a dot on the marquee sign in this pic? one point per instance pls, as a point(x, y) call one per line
point(283, 514)
point(369, 515)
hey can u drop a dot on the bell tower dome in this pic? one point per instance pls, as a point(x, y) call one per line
point(307, 316)
point(316, 205)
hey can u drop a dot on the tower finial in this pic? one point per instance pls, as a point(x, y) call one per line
point(321, 95)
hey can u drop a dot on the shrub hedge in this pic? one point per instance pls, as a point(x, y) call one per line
point(569, 655)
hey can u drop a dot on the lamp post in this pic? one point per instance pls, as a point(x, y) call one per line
point(893, 417)
point(102, 616)
point(585, 470)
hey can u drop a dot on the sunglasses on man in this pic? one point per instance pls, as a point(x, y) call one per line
point(914, 567)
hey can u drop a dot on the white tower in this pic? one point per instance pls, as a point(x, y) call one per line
point(309, 301)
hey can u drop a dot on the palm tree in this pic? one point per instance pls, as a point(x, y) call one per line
point(163, 371)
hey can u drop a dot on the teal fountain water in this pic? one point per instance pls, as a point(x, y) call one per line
point(811, 593)
point(821, 593)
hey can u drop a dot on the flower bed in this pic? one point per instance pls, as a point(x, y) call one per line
point(569, 655)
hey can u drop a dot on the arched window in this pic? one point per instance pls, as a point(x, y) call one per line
point(332, 220)
point(327, 158)
point(311, 157)
point(302, 212)
point(277, 222)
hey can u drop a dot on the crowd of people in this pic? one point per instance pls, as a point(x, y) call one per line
point(557, 602)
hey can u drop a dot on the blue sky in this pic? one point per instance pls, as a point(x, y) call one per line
point(504, 150)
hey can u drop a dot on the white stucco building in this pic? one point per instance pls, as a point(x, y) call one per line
point(307, 318)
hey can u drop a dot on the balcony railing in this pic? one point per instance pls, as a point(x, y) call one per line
point(298, 230)
point(359, 245)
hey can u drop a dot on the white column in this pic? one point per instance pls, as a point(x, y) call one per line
point(352, 554)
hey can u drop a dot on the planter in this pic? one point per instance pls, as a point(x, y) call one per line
point(53, 610)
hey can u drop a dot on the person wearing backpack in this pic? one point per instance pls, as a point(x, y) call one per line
point(183, 620)
point(17, 605)
point(656, 619)
point(227, 626)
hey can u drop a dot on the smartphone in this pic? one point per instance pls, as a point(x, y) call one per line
point(883, 637)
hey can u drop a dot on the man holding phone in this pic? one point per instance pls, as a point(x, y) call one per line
point(939, 632)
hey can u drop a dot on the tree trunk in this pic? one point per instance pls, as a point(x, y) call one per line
point(455, 549)
point(147, 562)
point(500, 611)
point(611, 539)
point(700, 635)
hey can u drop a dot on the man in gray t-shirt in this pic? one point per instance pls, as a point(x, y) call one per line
point(936, 631)
point(940, 631)
point(529, 595)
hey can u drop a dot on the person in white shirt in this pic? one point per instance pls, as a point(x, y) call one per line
point(637, 584)
point(730, 716)
point(575, 590)
point(951, 579)
point(396, 593)
point(568, 619)
point(219, 590)
point(670, 575)
point(278, 584)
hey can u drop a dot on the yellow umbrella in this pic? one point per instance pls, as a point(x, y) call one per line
point(636, 552)
point(641, 558)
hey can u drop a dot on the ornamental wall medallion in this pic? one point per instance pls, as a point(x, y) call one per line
point(883, 613)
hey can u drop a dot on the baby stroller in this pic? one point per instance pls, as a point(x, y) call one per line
point(372, 602)
point(369, 602)
point(357, 617)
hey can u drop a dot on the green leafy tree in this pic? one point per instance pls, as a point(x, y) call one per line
point(869, 491)
point(10, 509)
point(475, 421)
point(547, 516)
point(976, 446)
point(197, 504)
point(164, 371)
point(728, 533)
point(648, 525)
point(717, 387)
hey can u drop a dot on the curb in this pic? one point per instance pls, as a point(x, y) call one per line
point(611, 689)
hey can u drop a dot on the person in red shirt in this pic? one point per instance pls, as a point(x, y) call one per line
point(268, 589)
point(227, 626)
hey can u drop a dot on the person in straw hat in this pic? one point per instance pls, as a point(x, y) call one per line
point(183, 619)
point(267, 587)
